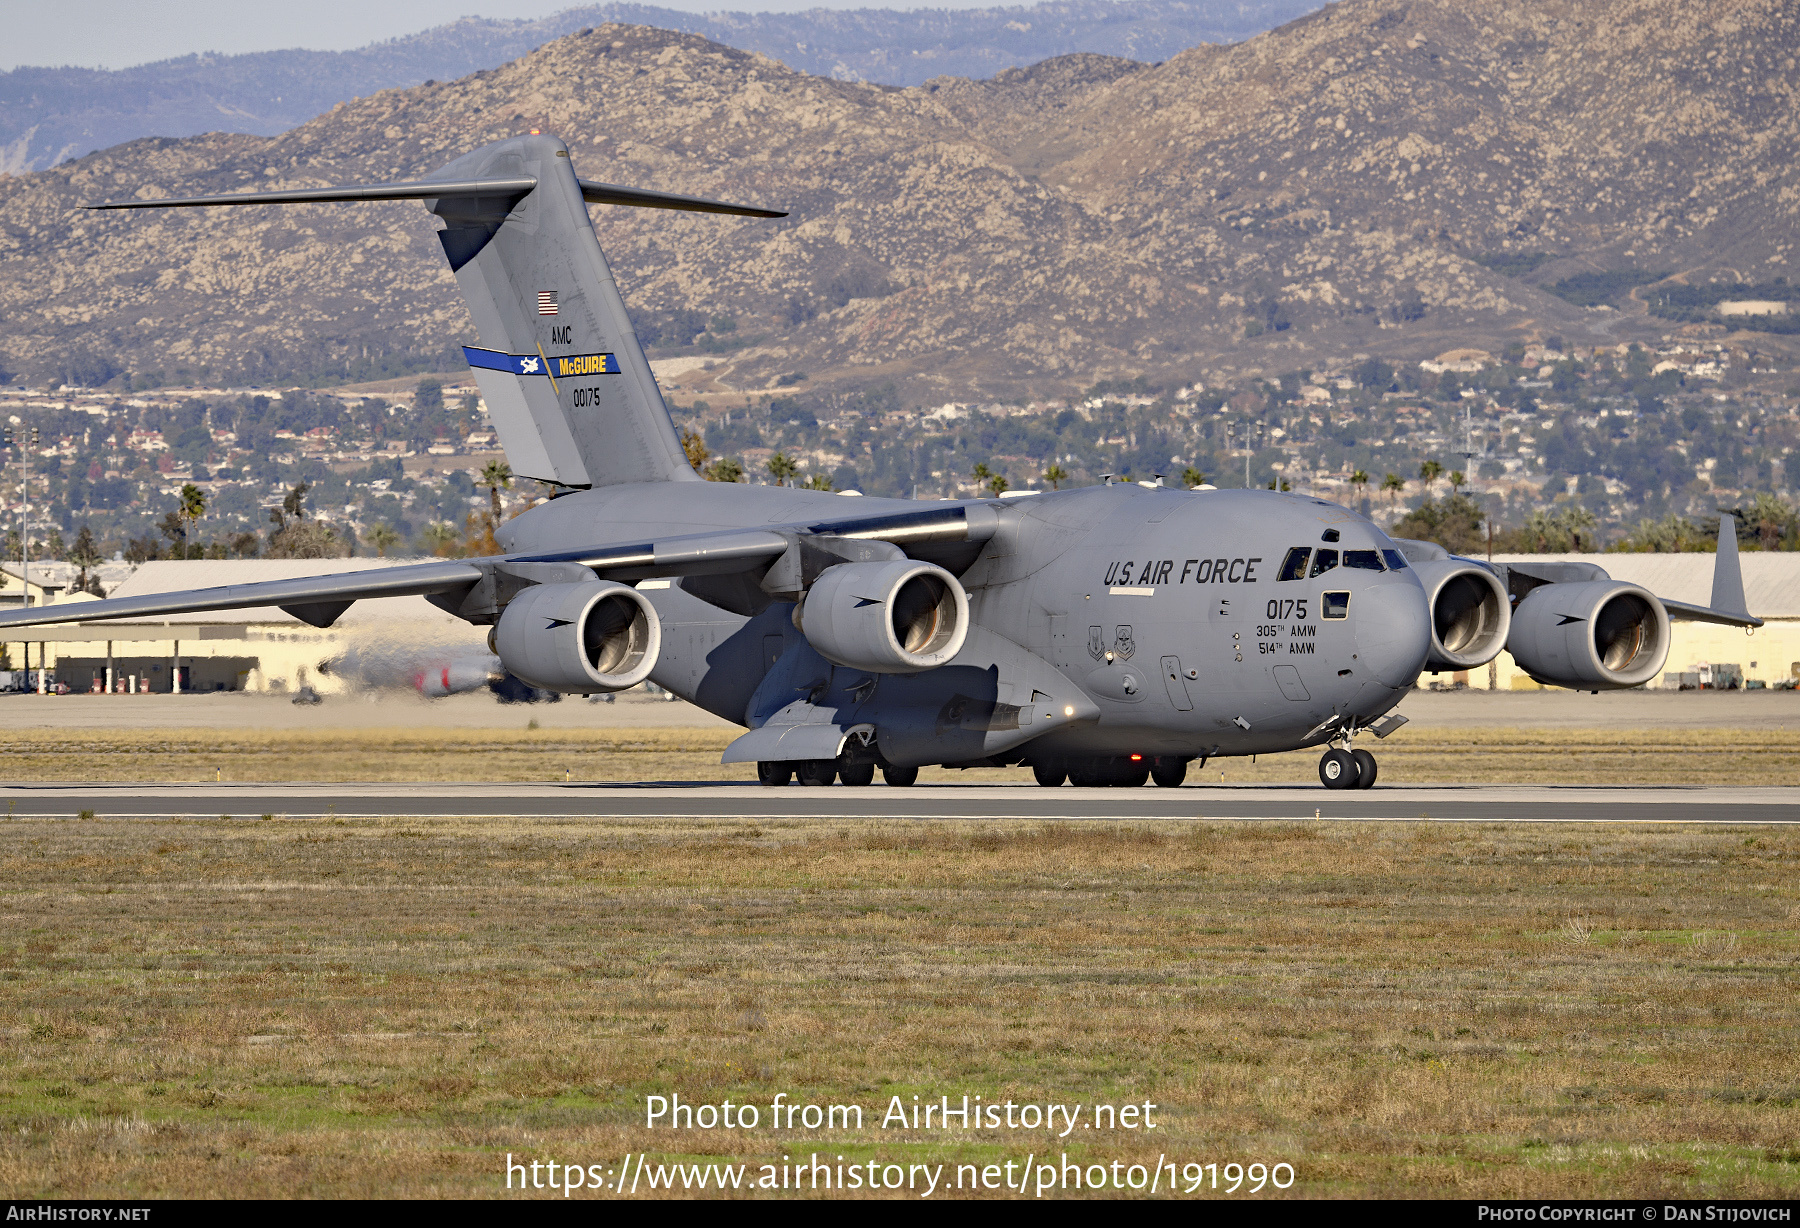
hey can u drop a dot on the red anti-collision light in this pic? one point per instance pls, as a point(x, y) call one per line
point(1135, 758)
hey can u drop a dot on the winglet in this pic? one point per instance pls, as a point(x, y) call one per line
point(1728, 573)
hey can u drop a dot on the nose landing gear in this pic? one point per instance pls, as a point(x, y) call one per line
point(1348, 768)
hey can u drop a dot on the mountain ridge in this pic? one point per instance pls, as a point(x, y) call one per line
point(48, 114)
point(1331, 187)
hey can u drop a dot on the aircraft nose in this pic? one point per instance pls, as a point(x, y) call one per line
point(1393, 632)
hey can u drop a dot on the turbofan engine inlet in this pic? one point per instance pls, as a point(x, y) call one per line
point(579, 638)
point(1598, 635)
point(1470, 614)
point(898, 617)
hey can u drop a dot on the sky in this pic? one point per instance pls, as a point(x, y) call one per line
point(121, 33)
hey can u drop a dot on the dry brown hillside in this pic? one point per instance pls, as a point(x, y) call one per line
point(1089, 217)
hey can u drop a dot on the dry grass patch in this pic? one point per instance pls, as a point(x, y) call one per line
point(369, 755)
point(389, 1007)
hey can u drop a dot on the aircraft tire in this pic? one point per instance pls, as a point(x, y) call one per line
point(1169, 773)
point(857, 773)
point(770, 772)
point(900, 777)
point(1366, 769)
point(1134, 777)
point(1050, 775)
point(816, 772)
point(1338, 770)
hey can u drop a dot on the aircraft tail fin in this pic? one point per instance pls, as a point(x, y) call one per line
point(1728, 573)
point(566, 383)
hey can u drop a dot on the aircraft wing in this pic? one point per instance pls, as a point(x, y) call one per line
point(294, 596)
point(319, 600)
point(1686, 611)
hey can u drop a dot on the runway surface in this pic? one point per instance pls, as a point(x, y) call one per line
point(683, 800)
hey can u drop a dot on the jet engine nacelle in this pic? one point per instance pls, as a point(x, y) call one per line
point(1470, 613)
point(896, 617)
point(579, 638)
point(1590, 636)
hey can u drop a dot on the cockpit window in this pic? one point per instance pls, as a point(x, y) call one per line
point(1293, 567)
point(1364, 560)
point(1324, 561)
point(1395, 560)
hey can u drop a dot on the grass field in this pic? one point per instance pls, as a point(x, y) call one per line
point(391, 1007)
point(1413, 755)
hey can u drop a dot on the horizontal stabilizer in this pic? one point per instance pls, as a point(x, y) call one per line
point(611, 194)
point(308, 595)
point(591, 192)
point(366, 191)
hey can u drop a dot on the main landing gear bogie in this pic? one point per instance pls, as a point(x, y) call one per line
point(1347, 769)
point(1116, 772)
point(819, 772)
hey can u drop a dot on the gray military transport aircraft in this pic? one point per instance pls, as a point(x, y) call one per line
point(1105, 635)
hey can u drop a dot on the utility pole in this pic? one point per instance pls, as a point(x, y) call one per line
point(25, 515)
point(25, 546)
point(1246, 432)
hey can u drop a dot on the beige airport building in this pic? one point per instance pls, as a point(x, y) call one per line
point(264, 649)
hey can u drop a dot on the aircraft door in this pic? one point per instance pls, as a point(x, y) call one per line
point(1176, 683)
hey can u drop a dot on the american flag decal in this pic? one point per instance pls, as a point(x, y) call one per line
point(546, 302)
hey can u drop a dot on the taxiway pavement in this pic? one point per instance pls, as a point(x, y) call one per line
point(736, 800)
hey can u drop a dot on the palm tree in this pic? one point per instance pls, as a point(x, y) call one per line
point(998, 484)
point(441, 538)
point(1056, 475)
point(384, 538)
point(783, 468)
point(725, 469)
point(818, 481)
point(982, 473)
point(496, 476)
point(1574, 520)
point(1456, 480)
point(190, 504)
point(1192, 477)
point(1392, 485)
point(1428, 473)
point(1360, 480)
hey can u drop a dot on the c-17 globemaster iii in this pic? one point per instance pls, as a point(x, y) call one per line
point(1103, 635)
